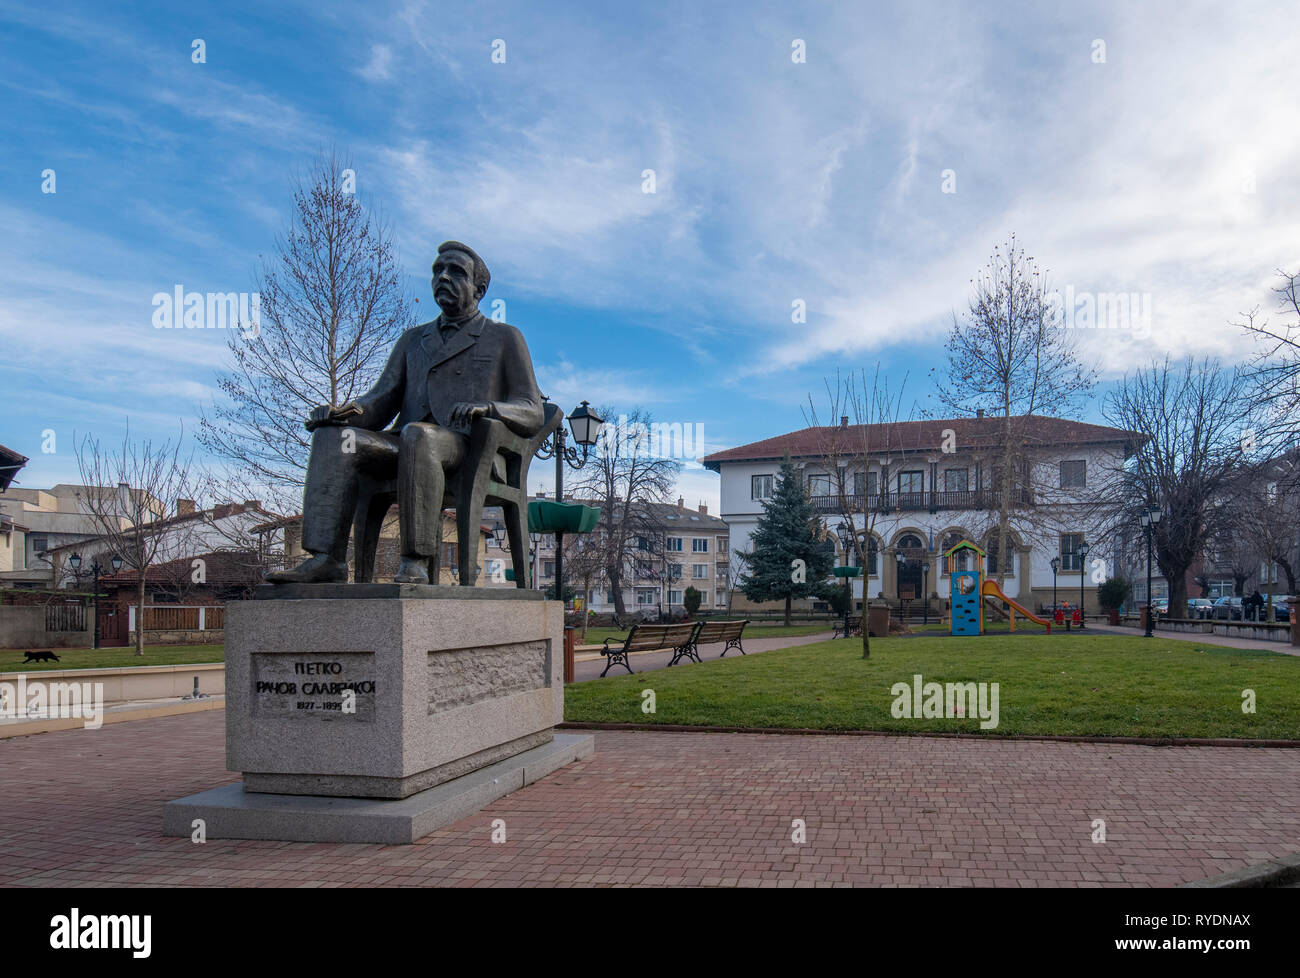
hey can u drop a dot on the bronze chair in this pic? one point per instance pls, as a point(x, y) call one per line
point(474, 487)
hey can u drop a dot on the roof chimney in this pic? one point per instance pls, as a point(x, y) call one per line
point(704, 510)
point(681, 502)
point(184, 507)
point(979, 413)
point(844, 420)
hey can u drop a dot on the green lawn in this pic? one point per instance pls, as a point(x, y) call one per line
point(1067, 684)
point(597, 635)
point(11, 660)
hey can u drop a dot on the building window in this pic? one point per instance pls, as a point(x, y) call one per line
point(991, 548)
point(911, 481)
point(956, 480)
point(821, 485)
point(699, 571)
point(609, 596)
point(675, 572)
point(873, 483)
point(449, 555)
point(1070, 557)
point(642, 543)
point(1074, 474)
point(548, 568)
point(760, 486)
point(40, 544)
point(674, 544)
point(674, 597)
point(1218, 588)
point(645, 596)
point(700, 546)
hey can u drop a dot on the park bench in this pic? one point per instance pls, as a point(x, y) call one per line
point(651, 638)
point(854, 627)
point(716, 631)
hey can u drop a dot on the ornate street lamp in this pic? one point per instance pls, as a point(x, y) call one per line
point(1149, 518)
point(845, 533)
point(97, 570)
point(1056, 566)
point(1083, 569)
point(925, 569)
point(586, 425)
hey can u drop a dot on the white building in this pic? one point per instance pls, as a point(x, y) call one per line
point(935, 486)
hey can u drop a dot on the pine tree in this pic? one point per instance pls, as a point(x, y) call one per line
point(790, 558)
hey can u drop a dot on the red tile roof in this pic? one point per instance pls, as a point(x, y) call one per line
point(923, 436)
point(222, 567)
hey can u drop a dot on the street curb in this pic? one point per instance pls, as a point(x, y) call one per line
point(1273, 873)
point(811, 732)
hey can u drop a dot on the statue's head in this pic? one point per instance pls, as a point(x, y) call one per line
point(460, 279)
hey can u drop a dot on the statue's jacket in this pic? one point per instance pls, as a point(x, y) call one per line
point(427, 375)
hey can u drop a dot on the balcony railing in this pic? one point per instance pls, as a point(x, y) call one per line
point(912, 502)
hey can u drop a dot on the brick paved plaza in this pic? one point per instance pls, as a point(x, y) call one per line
point(83, 808)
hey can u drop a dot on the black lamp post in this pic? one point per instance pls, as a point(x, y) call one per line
point(1056, 566)
point(925, 571)
point(1083, 569)
point(586, 432)
point(845, 533)
point(96, 569)
point(1149, 518)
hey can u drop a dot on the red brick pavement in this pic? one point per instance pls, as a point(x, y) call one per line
point(83, 808)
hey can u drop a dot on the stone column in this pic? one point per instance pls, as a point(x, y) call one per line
point(1024, 578)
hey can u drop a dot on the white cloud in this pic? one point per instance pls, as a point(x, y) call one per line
point(380, 66)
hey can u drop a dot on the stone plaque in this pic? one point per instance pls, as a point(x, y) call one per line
point(328, 685)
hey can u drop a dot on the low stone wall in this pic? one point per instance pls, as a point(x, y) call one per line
point(23, 627)
point(1264, 631)
point(134, 683)
point(211, 636)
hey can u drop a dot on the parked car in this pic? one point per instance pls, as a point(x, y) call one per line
point(1199, 607)
point(1282, 611)
point(1160, 607)
point(1227, 608)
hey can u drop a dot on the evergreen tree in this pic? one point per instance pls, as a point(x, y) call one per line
point(790, 558)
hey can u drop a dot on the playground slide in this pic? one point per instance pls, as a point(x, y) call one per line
point(991, 590)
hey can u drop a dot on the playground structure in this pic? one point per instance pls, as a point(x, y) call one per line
point(970, 590)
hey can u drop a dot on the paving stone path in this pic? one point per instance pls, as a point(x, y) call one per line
point(83, 808)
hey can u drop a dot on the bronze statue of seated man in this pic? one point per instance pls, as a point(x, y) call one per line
point(439, 377)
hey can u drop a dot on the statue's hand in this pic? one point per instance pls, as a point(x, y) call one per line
point(330, 414)
point(464, 413)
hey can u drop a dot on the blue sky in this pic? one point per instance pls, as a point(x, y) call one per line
point(1168, 170)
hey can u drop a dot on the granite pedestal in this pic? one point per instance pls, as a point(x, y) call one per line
point(382, 692)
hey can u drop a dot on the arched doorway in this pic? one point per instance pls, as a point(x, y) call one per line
point(911, 549)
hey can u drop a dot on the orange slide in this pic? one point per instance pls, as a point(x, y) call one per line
point(991, 590)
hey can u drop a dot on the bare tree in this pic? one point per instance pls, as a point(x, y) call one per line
point(1012, 357)
point(845, 451)
point(332, 305)
point(123, 491)
point(1193, 417)
point(584, 561)
point(623, 479)
point(1275, 371)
